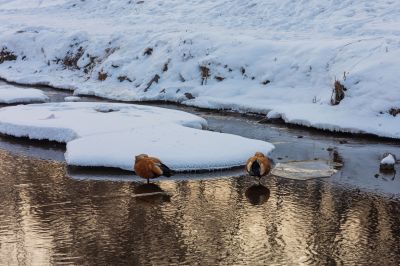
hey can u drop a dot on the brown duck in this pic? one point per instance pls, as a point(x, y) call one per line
point(150, 167)
point(258, 165)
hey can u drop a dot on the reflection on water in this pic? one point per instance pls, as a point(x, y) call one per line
point(257, 194)
point(151, 193)
point(49, 218)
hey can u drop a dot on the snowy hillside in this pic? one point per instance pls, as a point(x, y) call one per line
point(275, 57)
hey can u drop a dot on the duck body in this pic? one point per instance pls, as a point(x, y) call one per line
point(258, 165)
point(150, 167)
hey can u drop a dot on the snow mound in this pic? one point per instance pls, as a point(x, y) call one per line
point(11, 94)
point(389, 160)
point(110, 135)
point(277, 57)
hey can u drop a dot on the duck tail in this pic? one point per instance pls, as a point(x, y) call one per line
point(255, 169)
point(167, 171)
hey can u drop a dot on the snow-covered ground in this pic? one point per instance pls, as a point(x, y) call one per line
point(277, 57)
point(11, 94)
point(109, 134)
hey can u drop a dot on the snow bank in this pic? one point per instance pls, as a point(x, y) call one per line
point(11, 94)
point(109, 134)
point(277, 57)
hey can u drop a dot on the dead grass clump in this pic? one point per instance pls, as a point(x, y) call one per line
point(7, 55)
point(123, 78)
point(148, 51)
point(102, 76)
point(72, 57)
point(181, 78)
point(219, 78)
point(110, 50)
point(165, 67)
point(155, 79)
point(337, 93)
point(189, 96)
point(95, 60)
point(394, 111)
point(205, 73)
point(92, 63)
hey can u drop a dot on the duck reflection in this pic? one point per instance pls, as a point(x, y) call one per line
point(257, 194)
point(151, 193)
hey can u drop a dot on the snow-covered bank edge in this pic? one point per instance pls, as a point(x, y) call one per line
point(265, 115)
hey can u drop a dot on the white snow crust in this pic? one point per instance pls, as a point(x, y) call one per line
point(11, 94)
point(278, 57)
point(110, 135)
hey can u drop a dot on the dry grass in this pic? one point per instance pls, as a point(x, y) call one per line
point(189, 96)
point(205, 74)
point(338, 93)
point(7, 55)
point(155, 79)
point(123, 78)
point(148, 51)
point(219, 78)
point(102, 76)
point(71, 59)
point(394, 111)
point(165, 67)
point(92, 63)
point(265, 82)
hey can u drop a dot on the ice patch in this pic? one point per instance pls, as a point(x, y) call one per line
point(110, 135)
point(303, 170)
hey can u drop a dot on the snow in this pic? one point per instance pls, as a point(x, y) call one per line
point(22, 4)
point(278, 58)
point(110, 135)
point(11, 94)
point(388, 160)
point(72, 99)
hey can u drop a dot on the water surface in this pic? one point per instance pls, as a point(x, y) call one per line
point(47, 217)
point(50, 214)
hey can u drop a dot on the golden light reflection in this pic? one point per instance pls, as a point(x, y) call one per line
point(48, 218)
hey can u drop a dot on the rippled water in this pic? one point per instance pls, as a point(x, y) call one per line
point(47, 217)
point(53, 215)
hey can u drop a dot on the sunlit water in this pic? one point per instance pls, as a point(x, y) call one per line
point(53, 215)
point(47, 217)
